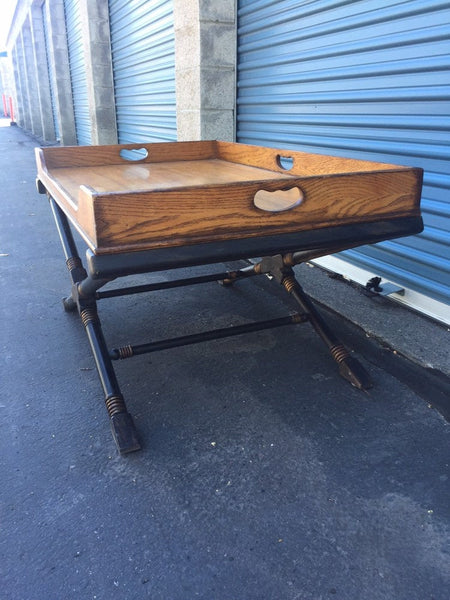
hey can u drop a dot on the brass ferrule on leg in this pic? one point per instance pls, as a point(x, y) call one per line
point(88, 315)
point(289, 283)
point(74, 262)
point(288, 260)
point(115, 404)
point(232, 277)
point(299, 317)
point(125, 351)
point(339, 353)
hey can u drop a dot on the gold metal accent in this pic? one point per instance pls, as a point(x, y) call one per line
point(288, 260)
point(73, 262)
point(289, 283)
point(114, 405)
point(125, 351)
point(339, 353)
point(232, 276)
point(88, 315)
point(298, 318)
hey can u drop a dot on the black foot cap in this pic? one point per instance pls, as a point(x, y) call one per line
point(124, 433)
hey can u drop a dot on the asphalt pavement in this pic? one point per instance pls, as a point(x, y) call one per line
point(263, 474)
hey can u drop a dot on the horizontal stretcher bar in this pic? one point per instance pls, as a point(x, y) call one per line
point(129, 351)
point(165, 285)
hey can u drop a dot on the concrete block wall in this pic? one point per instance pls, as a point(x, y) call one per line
point(205, 69)
point(34, 57)
point(20, 109)
point(15, 51)
point(25, 114)
point(99, 75)
point(30, 79)
point(42, 90)
point(31, 64)
point(58, 58)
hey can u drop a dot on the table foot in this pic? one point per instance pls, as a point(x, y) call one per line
point(349, 368)
point(124, 433)
point(122, 425)
point(69, 304)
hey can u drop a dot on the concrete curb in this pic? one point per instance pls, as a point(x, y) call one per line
point(414, 336)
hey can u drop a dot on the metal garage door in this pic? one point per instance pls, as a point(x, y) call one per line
point(77, 67)
point(143, 55)
point(364, 79)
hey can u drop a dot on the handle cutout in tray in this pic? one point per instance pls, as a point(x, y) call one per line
point(285, 162)
point(279, 200)
point(134, 155)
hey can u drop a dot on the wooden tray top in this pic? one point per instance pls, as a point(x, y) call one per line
point(183, 193)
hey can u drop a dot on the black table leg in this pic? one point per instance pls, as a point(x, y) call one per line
point(280, 267)
point(85, 293)
point(122, 426)
point(349, 367)
point(82, 297)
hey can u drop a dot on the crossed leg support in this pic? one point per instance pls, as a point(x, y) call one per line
point(84, 297)
point(280, 267)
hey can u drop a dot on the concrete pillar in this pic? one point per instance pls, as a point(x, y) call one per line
point(31, 81)
point(25, 117)
point(205, 72)
point(41, 69)
point(59, 64)
point(18, 96)
point(99, 75)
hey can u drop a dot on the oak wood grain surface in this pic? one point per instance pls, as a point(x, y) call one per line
point(160, 176)
point(193, 192)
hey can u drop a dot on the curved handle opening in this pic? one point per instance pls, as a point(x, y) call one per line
point(279, 200)
point(285, 162)
point(134, 155)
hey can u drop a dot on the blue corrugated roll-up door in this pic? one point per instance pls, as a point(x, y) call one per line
point(51, 76)
point(77, 66)
point(143, 56)
point(363, 79)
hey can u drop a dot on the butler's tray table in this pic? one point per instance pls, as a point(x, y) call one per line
point(143, 208)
